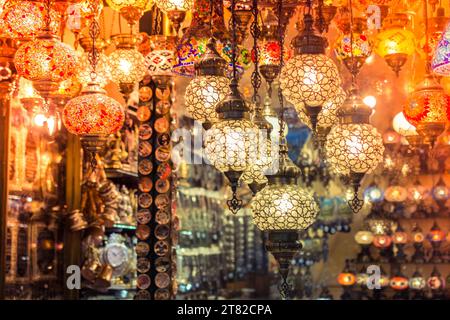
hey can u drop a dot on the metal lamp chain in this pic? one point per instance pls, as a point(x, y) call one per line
point(234, 40)
point(281, 44)
point(256, 77)
point(94, 32)
point(353, 69)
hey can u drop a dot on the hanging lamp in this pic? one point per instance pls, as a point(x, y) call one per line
point(282, 208)
point(229, 143)
point(45, 61)
point(93, 115)
point(210, 86)
point(310, 78)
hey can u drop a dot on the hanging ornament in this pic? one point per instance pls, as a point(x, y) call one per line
point(127, 63)
point(176, 11)
point(160, 60)
point(26, 19)
point(353, 146)
point(229, 144)
point(354, 47)
point(45, 61)
point(208, 88)
point(428, 109)
point(131, 10)
point(102, 69)
point(395, 43)
point(93, 115)
point(310, 78)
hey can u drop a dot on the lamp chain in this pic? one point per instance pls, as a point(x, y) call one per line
point(256, 77)
point(233, 42)
point(352, 57)
point(281, 45)
point(48, 19)
point(211, 22)
point(94, 32)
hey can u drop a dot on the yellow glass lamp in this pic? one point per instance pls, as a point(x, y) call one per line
point(131, 10)
point(395, 43)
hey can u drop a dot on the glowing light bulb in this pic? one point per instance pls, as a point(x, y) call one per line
point(125, 65)
point(39, 120)
point(370, 101)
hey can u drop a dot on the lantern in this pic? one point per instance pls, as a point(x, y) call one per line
point(46, 62)
point(396, 194)
point(160, 60)
point(395, 43)
point(102, 69)
point(382, 240)
point(346, 278)
point(436, 32)
point(440, 192)
point(26, 19)
point(417, 281)
point(364, 237)
point(354, 46)
point(310, 78)
point(428, 108)
point(353, 146)
point(373, 193)
point(440, 63)
point(131, 10)
point(436, 236)
point(404, 128)
point(209, 87)
point(93, 113)
point(399, 282)
point(176, 10)
point(435, 281)
point(127, 63)
point(417, 192)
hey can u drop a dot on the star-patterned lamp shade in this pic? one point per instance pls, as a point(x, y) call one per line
point(127, 66)
point(310, 79)
point(25, 19)
point(328, 114)
point(230, 145)
point(93, 113)
point(170, 5)
point(202, 96)
point(354, 148)
point(283, 207)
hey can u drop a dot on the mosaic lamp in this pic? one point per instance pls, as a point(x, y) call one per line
point(26, 19)
point(46, 62)
point(395, 43)
point(310, 78)
point(428, 109)
point(353, 55)
point(127, 63)
point(440, 63)
point(208, 88)
point(354, 147)
point(160, 60)
point(176, 10)
point(131, 10)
